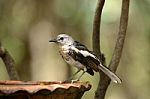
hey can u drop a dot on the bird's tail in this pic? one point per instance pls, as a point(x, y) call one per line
point(110, 74)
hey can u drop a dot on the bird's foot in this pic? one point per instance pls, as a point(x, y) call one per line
point(72, 81)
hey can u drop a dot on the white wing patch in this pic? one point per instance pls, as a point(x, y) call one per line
point(75, 49)
point(86, 53)
point(83, 52)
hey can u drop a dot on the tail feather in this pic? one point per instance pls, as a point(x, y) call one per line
point(110, 74)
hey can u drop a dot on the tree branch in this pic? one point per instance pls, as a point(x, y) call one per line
point(96, 44)
point(96, 27)
point(105, 81)
point(9, 63)
point(121, 36)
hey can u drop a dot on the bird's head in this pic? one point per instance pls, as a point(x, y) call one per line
point(63, 39)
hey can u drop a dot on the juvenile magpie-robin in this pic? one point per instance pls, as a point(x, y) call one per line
point(77, 54)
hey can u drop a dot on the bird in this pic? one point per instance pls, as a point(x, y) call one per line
point(78, 55)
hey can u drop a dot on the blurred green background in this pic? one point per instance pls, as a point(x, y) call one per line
point(27, 25)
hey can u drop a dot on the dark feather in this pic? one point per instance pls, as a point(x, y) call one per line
point(90, 62)
point(89, 70)
point(79, 45)
point(79, 57)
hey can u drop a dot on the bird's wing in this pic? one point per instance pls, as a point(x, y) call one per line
point(87, 58)
point(83, 60)
point(82, 54)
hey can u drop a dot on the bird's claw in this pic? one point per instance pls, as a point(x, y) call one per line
point(72, 81)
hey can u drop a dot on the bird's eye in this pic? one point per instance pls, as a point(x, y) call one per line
point(61, 38)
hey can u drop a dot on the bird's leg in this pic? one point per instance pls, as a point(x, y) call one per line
point(74, 74)
point(81, 74)
point(70, 79)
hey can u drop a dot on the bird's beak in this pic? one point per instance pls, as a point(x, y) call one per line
point(54, 40)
